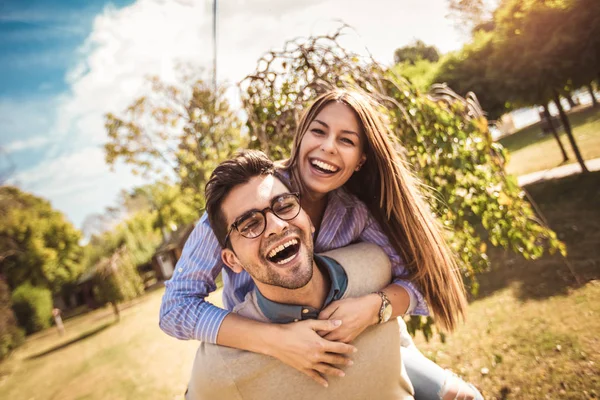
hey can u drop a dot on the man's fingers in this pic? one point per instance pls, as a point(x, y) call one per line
point(327, 369)
point(315, 376)
point(328, 311)
point(325, 325)
point(339, 348)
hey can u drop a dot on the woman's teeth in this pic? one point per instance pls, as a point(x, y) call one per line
point(324, 166)
point(281, 247)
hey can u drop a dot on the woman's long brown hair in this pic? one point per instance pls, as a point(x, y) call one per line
point(391, 192)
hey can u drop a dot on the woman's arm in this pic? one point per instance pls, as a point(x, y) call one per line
point(296, 344)
point(184, 313)
point(361, 312)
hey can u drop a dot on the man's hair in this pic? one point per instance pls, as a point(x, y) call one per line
point(238, 170)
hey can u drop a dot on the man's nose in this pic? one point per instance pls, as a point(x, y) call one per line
point(274, 224)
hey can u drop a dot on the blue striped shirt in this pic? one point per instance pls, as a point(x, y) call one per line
point(185, 314)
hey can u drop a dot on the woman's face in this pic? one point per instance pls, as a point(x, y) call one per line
point(331, 149)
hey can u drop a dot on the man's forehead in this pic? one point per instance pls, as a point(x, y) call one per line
point(255, 194)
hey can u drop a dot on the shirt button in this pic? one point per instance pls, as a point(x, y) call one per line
point(180, 269)
point(305, 311)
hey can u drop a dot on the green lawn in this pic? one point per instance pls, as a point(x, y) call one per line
point(531, 152)
point(531, 326)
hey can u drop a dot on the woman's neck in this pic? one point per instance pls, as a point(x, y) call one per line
point(314, 206)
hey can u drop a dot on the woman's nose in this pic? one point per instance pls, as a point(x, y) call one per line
point(328, 144)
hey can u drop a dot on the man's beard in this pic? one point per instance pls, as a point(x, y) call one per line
point(293, 278)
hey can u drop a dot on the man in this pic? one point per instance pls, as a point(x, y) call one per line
point(267, 234)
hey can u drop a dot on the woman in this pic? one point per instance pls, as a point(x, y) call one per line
point(354, 186)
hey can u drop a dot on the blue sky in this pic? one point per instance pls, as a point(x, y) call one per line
point(64, 64)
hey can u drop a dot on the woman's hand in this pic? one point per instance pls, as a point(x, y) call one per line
point(356, 314)
point(299, 346)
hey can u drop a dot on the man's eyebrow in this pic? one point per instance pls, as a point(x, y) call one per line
point(327, 126)
point(271, 200)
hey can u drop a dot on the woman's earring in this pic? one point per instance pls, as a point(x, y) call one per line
point(358, 168)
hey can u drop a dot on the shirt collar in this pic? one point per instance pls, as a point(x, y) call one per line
point(285, 313)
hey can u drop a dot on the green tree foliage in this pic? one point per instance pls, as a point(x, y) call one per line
point(443, 136)
point(421, 74)
point(182, 130)
point(466, 71)
point(33, 307)
point(534, 51)
point(10, 334)
point(416, 51)
point(116, 279)
point(38, 245)
point(137, 233)
point(172, 205)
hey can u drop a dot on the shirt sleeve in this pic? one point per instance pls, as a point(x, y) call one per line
point(374, 234)
point(184, 313)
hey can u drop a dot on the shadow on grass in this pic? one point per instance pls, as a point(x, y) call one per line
point(571, 206)
point(79, 338)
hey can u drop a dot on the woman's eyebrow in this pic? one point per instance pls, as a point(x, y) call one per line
point(327, 126)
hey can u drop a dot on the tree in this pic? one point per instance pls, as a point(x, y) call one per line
point(416, 51)
point(538, 50)
point(38, 245)
point(471, 14)
point(32, 306)
point(179, 131)
point(422, 73)
point(445, 137)
point(117, 280)
point(173, 206)
point(534, 51)
point(467, 70)
point(137, 233)
point(10, 334)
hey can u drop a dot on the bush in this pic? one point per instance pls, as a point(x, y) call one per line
point(33, 307)
point(10, 334)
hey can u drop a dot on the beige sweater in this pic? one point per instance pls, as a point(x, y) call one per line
point(225, 373)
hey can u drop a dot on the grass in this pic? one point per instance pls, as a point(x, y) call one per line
point(531, 325)
point(101, 359)
point(531, 152)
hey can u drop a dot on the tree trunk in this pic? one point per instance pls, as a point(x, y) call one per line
point(570, 100)
point(591, 89)
point(567, 126)
point(555, 134)
point(115, 307)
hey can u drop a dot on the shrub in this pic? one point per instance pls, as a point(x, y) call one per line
point(10, 334)
point(33, 307)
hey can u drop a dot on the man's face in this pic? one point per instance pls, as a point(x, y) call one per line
point(282, 256)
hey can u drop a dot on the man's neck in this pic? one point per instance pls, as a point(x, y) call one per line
point(313, 294)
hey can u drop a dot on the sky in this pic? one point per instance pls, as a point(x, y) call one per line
point(65, 64)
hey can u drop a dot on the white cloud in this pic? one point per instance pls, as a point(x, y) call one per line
point(151, 37)
point(27, 144)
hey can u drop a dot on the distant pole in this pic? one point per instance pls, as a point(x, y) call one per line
point(215, 47)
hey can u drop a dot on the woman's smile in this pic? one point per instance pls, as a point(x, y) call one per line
point(331, 149)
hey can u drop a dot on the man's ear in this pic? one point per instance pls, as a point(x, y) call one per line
point(231, 260)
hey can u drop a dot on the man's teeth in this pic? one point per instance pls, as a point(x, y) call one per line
point(279, 248)
point(325, 166)
point(287, 260)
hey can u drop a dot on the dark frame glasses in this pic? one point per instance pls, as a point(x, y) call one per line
point(253, 223)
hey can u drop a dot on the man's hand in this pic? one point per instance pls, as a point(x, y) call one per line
point(299, 346)
point(356, 314)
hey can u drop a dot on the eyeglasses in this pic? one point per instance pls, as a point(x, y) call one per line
point(253, 223)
